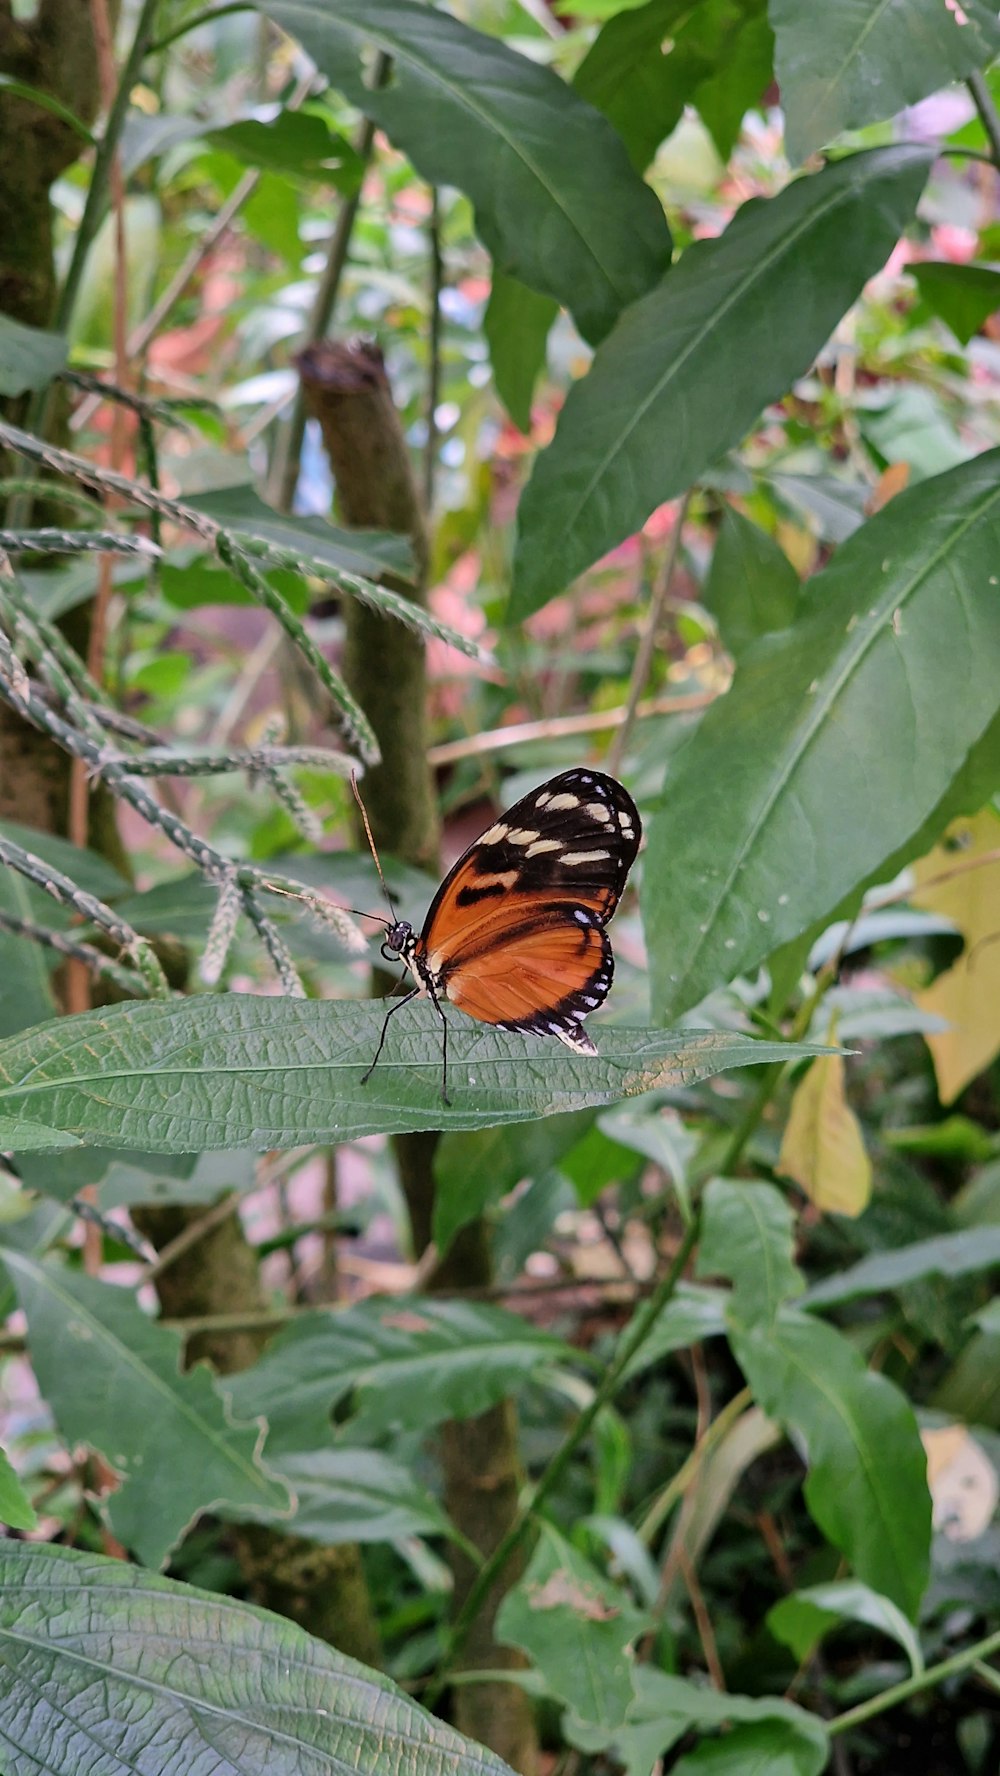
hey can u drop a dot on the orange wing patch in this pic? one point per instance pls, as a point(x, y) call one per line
point(542, 981)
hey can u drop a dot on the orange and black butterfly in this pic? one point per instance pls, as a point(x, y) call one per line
point(515, 935)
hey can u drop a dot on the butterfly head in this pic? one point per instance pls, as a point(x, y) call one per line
point(399, 941)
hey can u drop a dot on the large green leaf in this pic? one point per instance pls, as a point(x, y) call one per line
point(768, 1748)
point(112, 1378)
point(748, 1234)
point(856, 61)
point(349, 1495)
point(948, 1255)
point(409, 1362)
point(872, 700)
point(237, 1071)
point(690, 365)
point(866, 1484)
point(667, 1707)
point(578, 1629)
point(557, 201)
point(145, 1675)
point(647, 64)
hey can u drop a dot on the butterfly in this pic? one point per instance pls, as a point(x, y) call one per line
point(515, 935)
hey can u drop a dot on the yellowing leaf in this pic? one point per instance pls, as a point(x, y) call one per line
point(822, 1147)
point(968, 994)
point(964, 1483)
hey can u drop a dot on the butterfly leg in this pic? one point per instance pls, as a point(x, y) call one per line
point(444, 1045)
point(381, 1041)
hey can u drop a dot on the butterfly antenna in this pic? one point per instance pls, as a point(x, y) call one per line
point(371, 843)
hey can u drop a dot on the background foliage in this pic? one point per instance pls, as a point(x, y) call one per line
point(633, 1414)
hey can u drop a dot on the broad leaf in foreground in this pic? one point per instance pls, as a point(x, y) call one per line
point(873, 699)
point(146, 1674)
point(856, 61)
point(557, 200)
point(112, 1378)
point(186, 1075)
point(690, 366)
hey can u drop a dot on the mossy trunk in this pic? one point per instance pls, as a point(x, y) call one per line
point(346, 388)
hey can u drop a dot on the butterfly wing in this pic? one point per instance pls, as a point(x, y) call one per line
point(515, 934)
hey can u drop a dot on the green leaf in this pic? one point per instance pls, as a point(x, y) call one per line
point(181, 1076)
point(369, 553)
point(801, 1620)
point(578, 1629)
point(473, 1171)
point(858, 61)
point(947, 1255)
point(873, 699)
point(866, 1485)
point(17, 1136)
point(29, 358)
point(112, 1378)
point(963, 295)
point(691, 1315)
point(667, 1707)
point(646, 65)
point(301, 143)
point(752, 587)
point(16, 1509)
point(148, 1674)
point(88, 869)
point(738, 84)
point(748, 1233)
point(774, 1748)
point(690, 365)
point(410, 1362)
point(517, 324)
point(348, 1495)
point(557, 202)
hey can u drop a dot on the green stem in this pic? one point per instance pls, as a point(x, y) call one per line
point(982, 98)
point(912, 1686)
point(196, 21)
point(640, 1329)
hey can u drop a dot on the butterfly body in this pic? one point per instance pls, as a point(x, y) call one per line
point(515, 935)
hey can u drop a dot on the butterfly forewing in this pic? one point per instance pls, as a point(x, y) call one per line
point(515, 934)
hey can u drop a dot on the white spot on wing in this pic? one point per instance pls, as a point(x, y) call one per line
point(522, 835)
point(496, 834)
point(597, 811)
point(540, 845)
point(560, 802)
point(572, 858)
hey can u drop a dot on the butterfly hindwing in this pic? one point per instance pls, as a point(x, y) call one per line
point(541, 977)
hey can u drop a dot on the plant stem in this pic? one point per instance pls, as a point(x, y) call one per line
point(647, 644)
point(642, 1325)
point(982, 98)
point(285, 468)
point(912, 1686)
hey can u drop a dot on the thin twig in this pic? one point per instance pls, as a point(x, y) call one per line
point(434, 350)
point(982, 98)
point(94, 959)
point(66, 892)
point(647, 645)
point(928, 1679)
point(563, 727)
point(284, 475)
